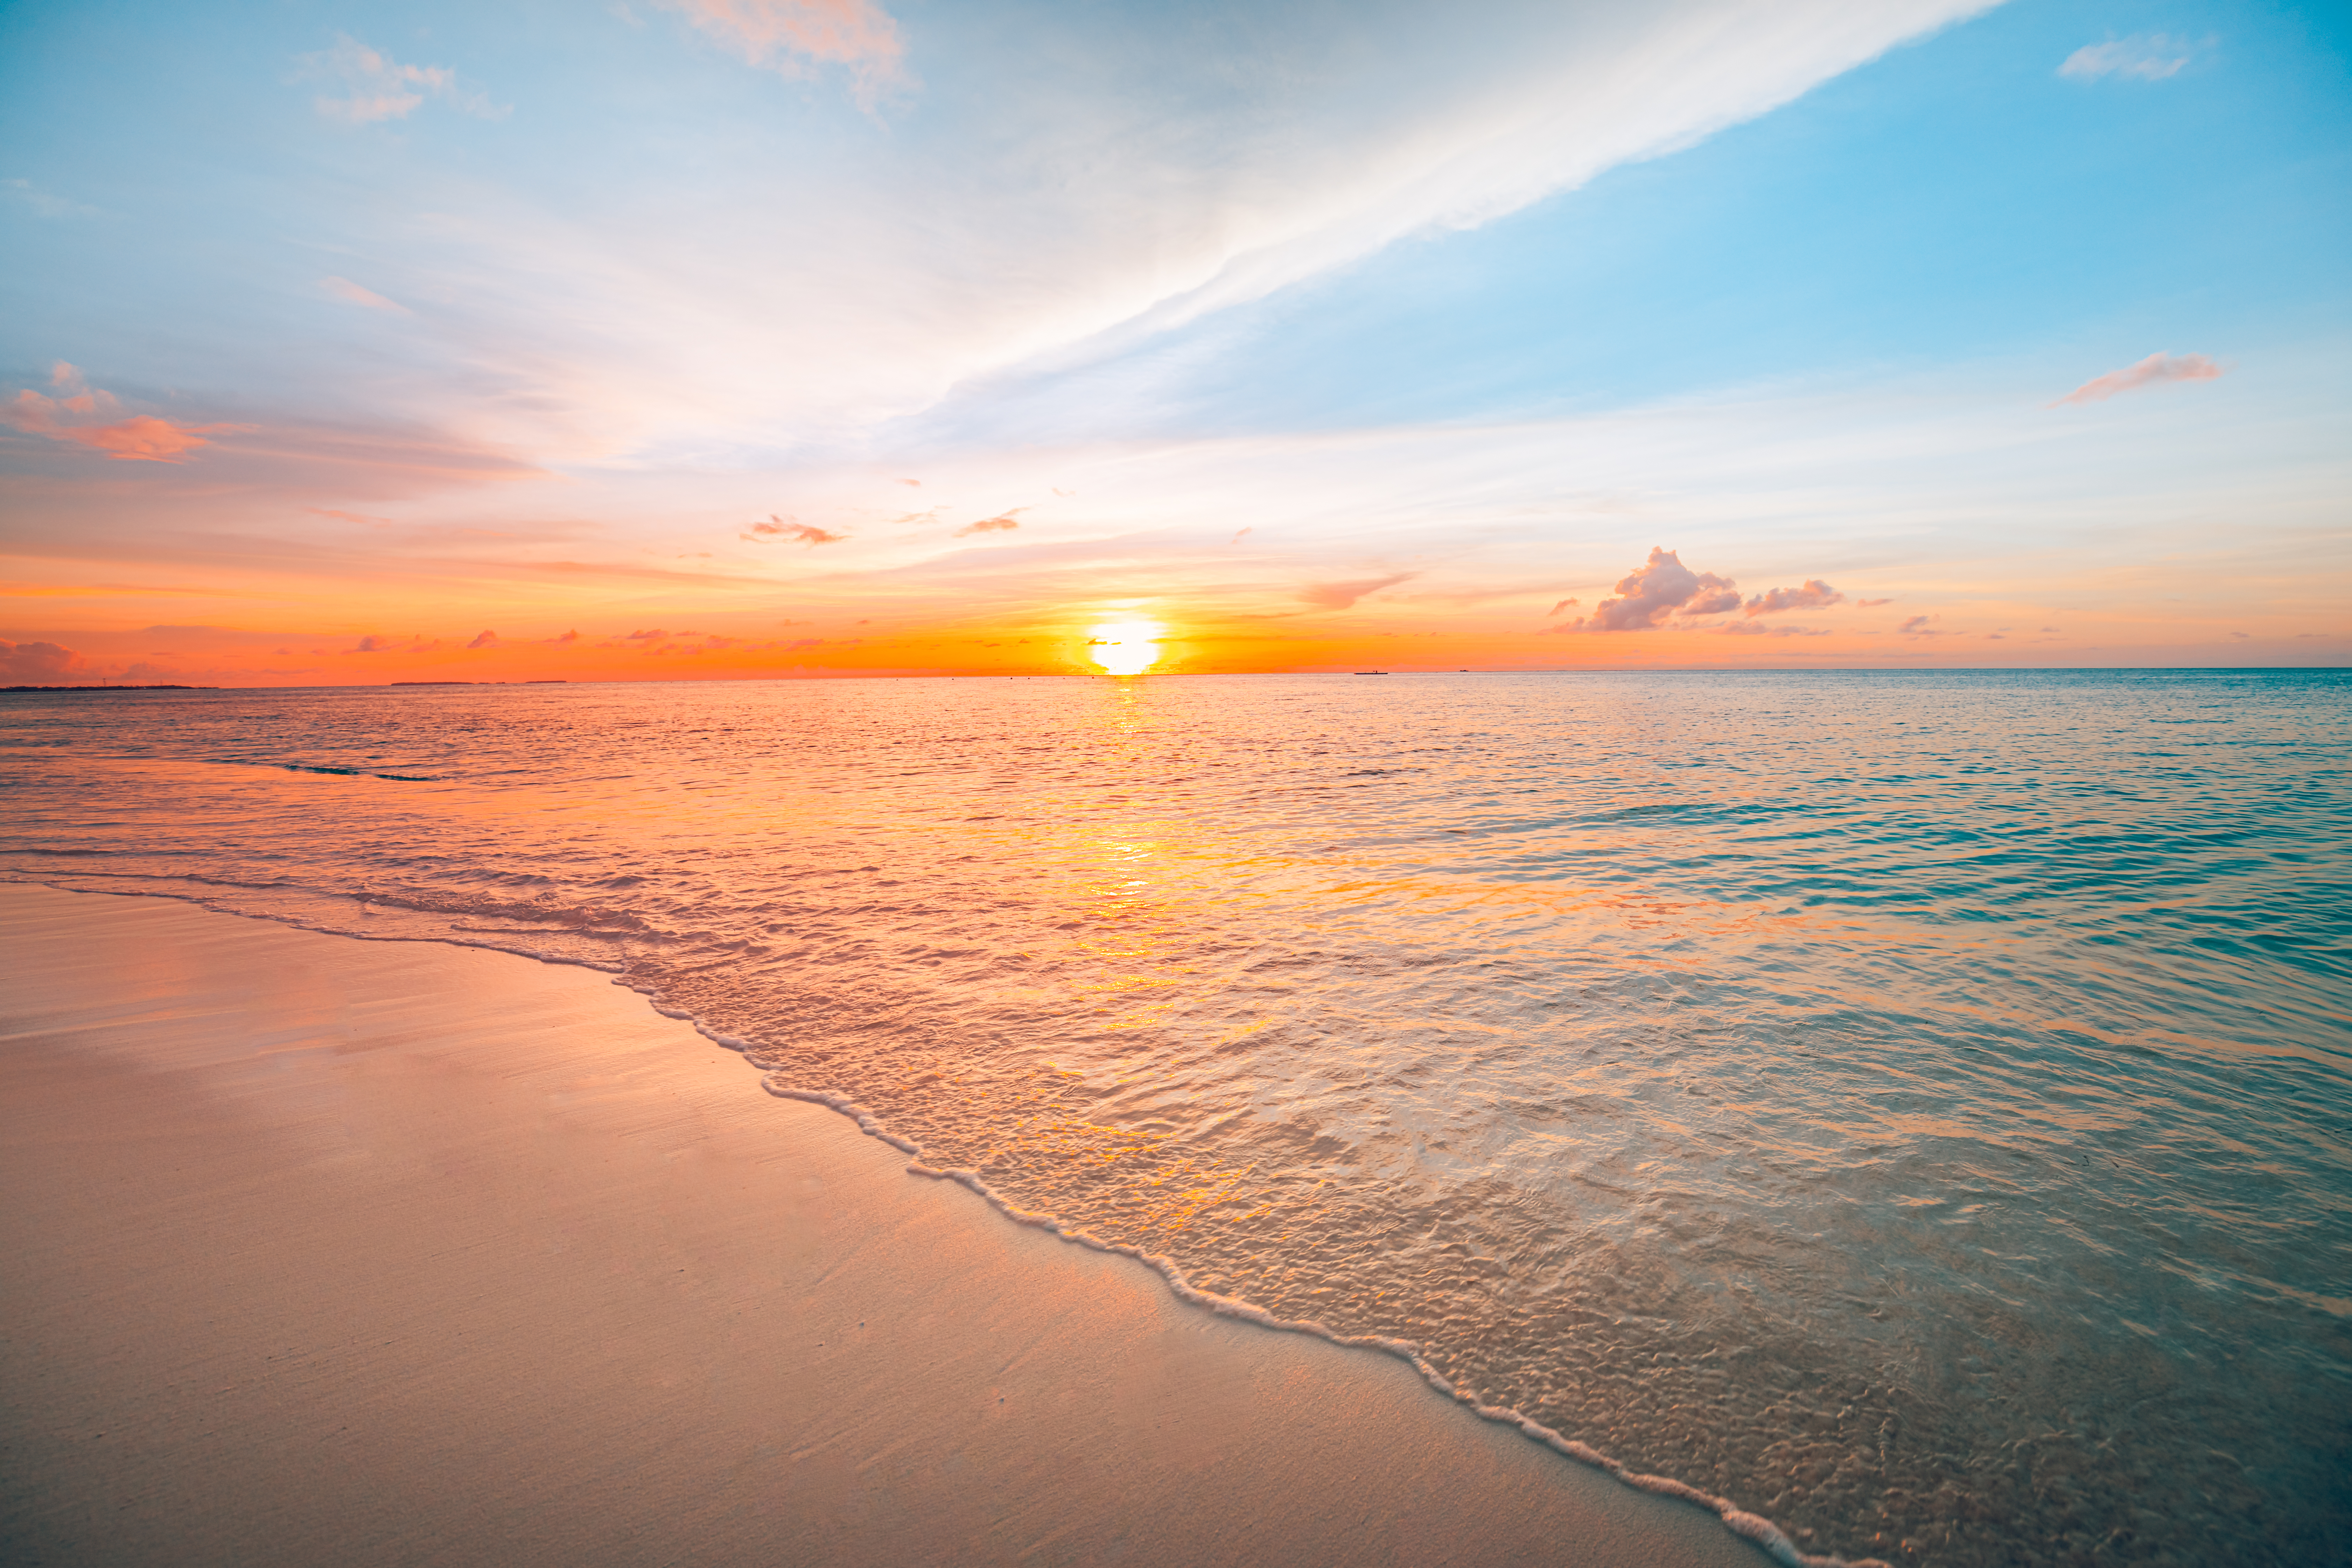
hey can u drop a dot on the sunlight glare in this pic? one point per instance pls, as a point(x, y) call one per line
point(1125, 648)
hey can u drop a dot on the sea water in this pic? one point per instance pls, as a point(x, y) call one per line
point(1916, 1108)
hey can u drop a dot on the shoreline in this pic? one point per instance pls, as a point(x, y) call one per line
point(337, 1112)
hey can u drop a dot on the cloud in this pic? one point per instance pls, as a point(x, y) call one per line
point(484, 639)
point(990, 525)
point(1871, 604)
point(1749, 630)
point(2150, 59)
point(381, 87)
point(1917, 626)
point(30, 663)
point(72, 415)
point(655, 635)
point(1342, 595)
point(42, 202)
point(372, 645)
point(2154, 371)
point(1658, 588)
point(780, 33)
point(344, 288)
point(1814, 594)
point(1563, 604)
point(799, 532)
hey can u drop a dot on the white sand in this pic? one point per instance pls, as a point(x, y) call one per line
point(326, 1251)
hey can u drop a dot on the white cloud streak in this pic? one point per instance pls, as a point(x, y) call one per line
point(1079, 179)
point(2150, 57)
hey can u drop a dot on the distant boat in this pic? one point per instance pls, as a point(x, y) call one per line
point(1371, 672)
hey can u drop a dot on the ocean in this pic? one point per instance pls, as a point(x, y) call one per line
point(1916, 1106)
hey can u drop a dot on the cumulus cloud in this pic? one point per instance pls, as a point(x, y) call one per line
point(82, 415)
point(379, 87)
point(1342, 595)
point(798, 533)
point(2154, 371)
point(1658, 588)
point(2151, 58)
point(484, 639)
point(1814, 594)
point(783, 35)
point(35, 663)
point(988, 525)
point(345, 289)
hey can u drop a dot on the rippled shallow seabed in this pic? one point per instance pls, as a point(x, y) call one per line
point(1912, 1106)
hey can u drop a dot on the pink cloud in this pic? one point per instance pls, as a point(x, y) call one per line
point(141, 438)
point(2154, 371)
point(799, 532)
point(1814, 594)
point(1872, 604)
point(1563, 604)
point(852, 32)
point(990, 525)
point(1656, 589)
point(486, 639)
point(381, 87)
point(345, 289)
point(35, 663)
point(1342, 595)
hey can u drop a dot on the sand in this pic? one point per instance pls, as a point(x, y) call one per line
point(320, 1250)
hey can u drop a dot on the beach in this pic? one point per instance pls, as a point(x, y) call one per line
point(390, 1252)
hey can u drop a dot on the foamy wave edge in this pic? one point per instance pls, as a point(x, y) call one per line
point(1738, 1521)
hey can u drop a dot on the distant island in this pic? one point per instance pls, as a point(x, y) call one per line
point(161, 687)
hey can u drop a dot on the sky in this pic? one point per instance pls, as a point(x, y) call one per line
point(342, 343)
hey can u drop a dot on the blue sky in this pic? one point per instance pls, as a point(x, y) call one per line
point(440, 313)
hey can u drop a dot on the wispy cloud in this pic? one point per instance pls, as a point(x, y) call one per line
point(379, 88)
point(799, 532)
point(42, 202)
point(2154, 371)
point(1002, 524)
point(2150, 56)
point(785, 35)
point(1343, 596)
point(345, 289)
point(82, 415)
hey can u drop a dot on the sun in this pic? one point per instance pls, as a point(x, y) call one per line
point(1125, 648)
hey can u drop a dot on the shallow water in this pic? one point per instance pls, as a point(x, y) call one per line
point(1912, 1106)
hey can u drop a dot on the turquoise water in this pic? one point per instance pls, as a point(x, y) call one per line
point(1918, 1108)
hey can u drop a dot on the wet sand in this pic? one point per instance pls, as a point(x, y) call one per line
point(322, 1250)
